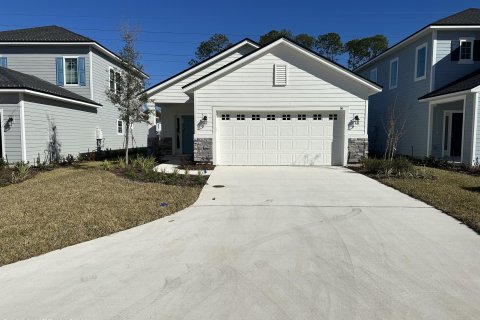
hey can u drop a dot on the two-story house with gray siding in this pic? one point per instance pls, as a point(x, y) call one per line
point(52, 95)
point(431, 81)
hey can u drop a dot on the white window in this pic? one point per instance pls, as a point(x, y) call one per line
point(393, 73)
point(225, 117)
point(285, 117)
point(317, 117)
point(280, 75)
point(255, 117)
point(270, 117)
point(373, 75)
point(332, 116)
point(466, 50)
point(302, 117)
point(421, 62)
point(71, 70)
point(114, 77)
point(120, 127)
point(240, 117)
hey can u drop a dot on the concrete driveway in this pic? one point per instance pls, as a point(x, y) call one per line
point(274, 243)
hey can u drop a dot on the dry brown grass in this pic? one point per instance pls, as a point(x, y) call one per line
point(66, 206)
point(457, 194)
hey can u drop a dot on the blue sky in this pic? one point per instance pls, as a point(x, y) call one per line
point(170, 30)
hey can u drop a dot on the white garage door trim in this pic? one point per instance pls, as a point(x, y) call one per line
point(342, 112)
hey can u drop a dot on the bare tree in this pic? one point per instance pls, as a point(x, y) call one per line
point(394, 125)
point(129, 82)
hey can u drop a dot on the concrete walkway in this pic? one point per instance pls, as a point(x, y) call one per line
point(274, 243)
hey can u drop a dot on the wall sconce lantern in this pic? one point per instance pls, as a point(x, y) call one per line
point(204, 118)
point(8, 124)
point(356, 119)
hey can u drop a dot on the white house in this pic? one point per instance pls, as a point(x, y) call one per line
point(280, 104)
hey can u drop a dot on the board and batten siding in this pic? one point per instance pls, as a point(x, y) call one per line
point(308, 86)
point(74, 132)
point(175, 94)
point(39, 61)
point(446, 70)
point(404, 98)
point(9, 104)
point(108, 114)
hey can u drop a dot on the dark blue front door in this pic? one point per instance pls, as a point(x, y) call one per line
point(187, 134)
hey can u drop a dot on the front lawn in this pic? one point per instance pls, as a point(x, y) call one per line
point(457, 194)
point(65, 206)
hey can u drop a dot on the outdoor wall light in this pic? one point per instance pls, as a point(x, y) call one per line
point(9, 121)
point(204, 118)
point(356, 119)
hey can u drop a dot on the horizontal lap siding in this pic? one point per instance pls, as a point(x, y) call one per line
point(252, 86)
point(108, 114)
point(404, 99)
point(175, 94)
point(12, 142)
point(75, 132)
point(446, 70)
point(40, 62)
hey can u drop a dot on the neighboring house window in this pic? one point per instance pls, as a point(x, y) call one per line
point(71, 70)
point(3, 62)
point(373, 75)
point(466, 49)
point(119, 126)
point(393, 73)
point(114, 77)
point(421, 62)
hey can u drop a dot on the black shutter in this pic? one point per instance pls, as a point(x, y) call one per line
point(455, 50)
point(476, 50)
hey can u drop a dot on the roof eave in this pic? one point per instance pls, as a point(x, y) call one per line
point(448, 95)
point(189, 71)
point(200, 82)
point(50, 96)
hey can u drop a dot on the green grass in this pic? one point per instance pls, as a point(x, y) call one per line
point(457, 194)
point(65, 206)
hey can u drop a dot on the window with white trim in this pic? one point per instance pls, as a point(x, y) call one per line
point(466, 50)
point(225, 117)
point(114, 77)
point(120, 126)
point(317, 117)
point(332, 116)
point(421, 62)
point(240, 117)
point(270, 117)
point(255, 117)
point(302, 117)
point(373, 75)
point(286, 117)
point(71, 70)
point(393, 73)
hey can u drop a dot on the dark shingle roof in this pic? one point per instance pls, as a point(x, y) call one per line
point(467, 82)
point(11, 79)
point(42, 34)
point(466, 17)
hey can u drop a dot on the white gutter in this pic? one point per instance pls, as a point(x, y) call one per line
point(23, 143)
point(50, 96)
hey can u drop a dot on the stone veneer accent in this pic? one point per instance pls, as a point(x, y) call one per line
point(357, 149)
point(202, 150)
point(166, 146)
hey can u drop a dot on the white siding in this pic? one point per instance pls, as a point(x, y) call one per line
point(477, 142)
point(169, 113)
point(175, 94)
point(309, 85)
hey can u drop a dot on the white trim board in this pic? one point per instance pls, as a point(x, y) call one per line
point(22, 128)
point(474, 129)
point(50, 96)
point(449, 141)
point(2, 135)
point(252, 56)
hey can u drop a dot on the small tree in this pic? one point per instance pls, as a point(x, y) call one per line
point(127, 94)
point(394, 125)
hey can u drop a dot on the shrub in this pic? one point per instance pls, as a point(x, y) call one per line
point(106, 165)
point(20, 172)
point(397, 166)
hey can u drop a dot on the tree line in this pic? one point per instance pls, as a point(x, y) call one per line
point(329, 45)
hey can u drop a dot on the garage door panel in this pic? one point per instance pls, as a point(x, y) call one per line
point(313, 141)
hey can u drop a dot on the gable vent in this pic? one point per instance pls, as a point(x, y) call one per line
point(280, 75)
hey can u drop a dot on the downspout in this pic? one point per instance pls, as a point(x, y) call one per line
point(22, 128)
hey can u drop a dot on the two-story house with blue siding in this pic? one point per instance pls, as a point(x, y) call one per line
point(431, 80)
point(52, 96)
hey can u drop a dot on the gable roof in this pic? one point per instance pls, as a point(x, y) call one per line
point(52, 35)
point(468, 17)
point(465, 83)
point(42, 34)
point(197, 67)
point(14, 81)
point(217, 73)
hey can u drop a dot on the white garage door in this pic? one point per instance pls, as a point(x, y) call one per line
point(280, 138)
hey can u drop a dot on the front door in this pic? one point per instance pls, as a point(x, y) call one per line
point(187, 134)
point(456, 136)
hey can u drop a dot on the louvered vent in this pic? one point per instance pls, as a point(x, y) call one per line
point(280, 75)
